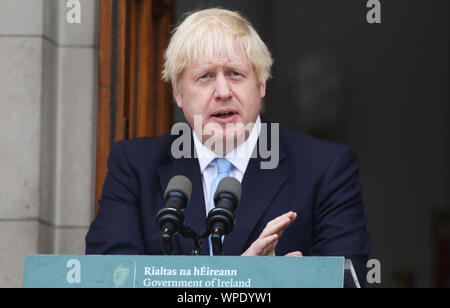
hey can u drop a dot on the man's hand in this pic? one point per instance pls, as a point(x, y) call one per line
point(267, 242)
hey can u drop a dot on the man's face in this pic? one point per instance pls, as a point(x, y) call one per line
point(221, 92)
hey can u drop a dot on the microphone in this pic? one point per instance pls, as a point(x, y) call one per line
point(170, 219)
point(221, 219)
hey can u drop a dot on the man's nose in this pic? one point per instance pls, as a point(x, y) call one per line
point(222, 88)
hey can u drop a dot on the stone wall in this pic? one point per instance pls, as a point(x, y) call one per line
point(48, 71)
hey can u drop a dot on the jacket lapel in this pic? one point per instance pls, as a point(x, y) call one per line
point(194, 214)
point(259, 190)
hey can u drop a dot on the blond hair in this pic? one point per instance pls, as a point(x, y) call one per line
point(215, 32)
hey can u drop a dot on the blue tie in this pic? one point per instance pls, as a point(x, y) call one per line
point(223, 170)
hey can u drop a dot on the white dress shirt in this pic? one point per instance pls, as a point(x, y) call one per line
point(239, 159)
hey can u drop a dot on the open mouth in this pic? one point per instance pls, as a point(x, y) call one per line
point(224, 114)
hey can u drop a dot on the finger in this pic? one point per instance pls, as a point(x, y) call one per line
point(266, 246)
point(275, 228)
point(262, 247)
point(294, 254)
point(275, 223)
point(278, 225)
point(290, 215)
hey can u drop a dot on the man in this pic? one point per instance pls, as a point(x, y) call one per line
point(309, 203)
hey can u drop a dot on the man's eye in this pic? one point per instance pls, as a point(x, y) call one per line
point(205, 76)
point(235, 74)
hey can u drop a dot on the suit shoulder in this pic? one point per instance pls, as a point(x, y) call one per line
point(145, 142)
point(144, 149)
point(311, 148)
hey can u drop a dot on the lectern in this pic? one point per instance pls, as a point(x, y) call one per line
point(72, 271)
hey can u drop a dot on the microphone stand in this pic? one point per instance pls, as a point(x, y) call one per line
point(189, 233)
point(216, 240)
point(166, 238)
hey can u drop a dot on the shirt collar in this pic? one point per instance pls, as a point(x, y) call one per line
point(239, 157)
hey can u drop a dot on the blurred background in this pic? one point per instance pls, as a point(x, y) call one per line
point(67, 91)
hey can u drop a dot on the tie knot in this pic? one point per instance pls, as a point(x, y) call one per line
point(223, 166)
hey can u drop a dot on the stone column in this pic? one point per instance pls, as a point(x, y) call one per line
point(48, 71)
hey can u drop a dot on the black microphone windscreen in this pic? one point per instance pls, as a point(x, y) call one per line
point(229, 185)
point(179, 183)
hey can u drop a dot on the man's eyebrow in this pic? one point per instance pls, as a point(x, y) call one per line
point(239, 66)
point(233, 65)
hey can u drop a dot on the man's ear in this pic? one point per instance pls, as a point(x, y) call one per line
point(262, 90)
point(177, 96)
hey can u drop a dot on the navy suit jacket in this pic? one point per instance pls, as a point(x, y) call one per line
point(317, 179)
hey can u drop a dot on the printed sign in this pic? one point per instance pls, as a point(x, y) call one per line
point(59, 271)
